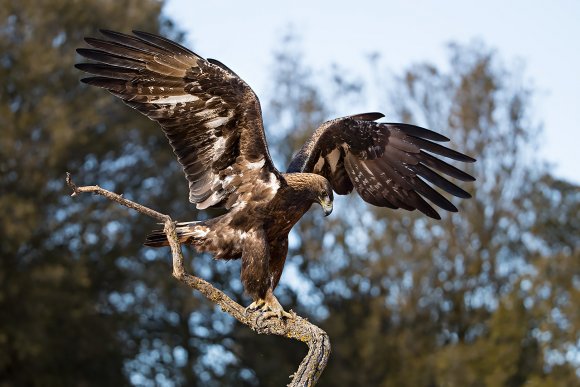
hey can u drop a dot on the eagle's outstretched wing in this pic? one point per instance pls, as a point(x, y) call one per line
point(211, 117)
point(386, 163)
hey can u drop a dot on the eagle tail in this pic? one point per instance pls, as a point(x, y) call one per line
point(187, 232)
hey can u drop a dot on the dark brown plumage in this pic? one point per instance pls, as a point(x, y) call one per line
point(213, 121)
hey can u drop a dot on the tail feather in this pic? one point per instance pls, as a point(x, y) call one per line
point(185, 231)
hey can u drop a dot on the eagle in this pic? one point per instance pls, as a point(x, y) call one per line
point(213, 122)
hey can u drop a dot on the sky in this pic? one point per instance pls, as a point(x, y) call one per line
point(544, 36)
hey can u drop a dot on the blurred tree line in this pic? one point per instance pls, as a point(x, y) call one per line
point(486, 297)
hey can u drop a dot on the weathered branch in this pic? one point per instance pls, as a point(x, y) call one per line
point(298, 328)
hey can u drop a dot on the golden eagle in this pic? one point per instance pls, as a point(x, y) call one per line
point(213, 121)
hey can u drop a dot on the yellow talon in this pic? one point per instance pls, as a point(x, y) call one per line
point(272, 308)
point(255, 305)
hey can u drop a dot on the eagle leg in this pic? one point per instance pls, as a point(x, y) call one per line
point(272, 308)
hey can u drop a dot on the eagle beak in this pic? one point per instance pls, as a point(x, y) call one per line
point(326, 206)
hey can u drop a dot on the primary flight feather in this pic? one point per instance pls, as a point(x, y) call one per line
point(213, 121)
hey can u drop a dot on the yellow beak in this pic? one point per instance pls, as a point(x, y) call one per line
point(326, 206)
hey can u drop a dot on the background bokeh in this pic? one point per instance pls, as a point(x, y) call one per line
point(486, 297)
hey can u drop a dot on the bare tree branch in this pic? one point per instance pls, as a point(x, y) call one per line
point(297, 328)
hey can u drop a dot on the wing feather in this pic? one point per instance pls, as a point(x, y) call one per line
point(441, 150)
point(211, 117)
point(389, 164)
point(417, 131)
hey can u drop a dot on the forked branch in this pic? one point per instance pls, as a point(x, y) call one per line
point(297, 328)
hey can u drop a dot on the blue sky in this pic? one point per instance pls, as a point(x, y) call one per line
point(544, 35)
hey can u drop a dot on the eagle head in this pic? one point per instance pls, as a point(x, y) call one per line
point(323, 194)
point(310, 188)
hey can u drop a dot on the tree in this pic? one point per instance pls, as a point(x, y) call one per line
point(99, 311)
point(488, 296)
point(69, 298)
point(411, 301)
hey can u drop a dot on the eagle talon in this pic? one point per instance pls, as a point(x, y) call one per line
point(281, 314)
point(272, 308)
point(255, 305)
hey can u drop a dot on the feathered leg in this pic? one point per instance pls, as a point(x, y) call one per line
point(266, 301)
point(255, 257)
point(278, 252)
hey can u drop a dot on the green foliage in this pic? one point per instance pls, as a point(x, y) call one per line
point(486, 297)
point(73, 288)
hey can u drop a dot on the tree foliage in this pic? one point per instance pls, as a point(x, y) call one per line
point(473, 299)
point(486, 297)
point(74, 293)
